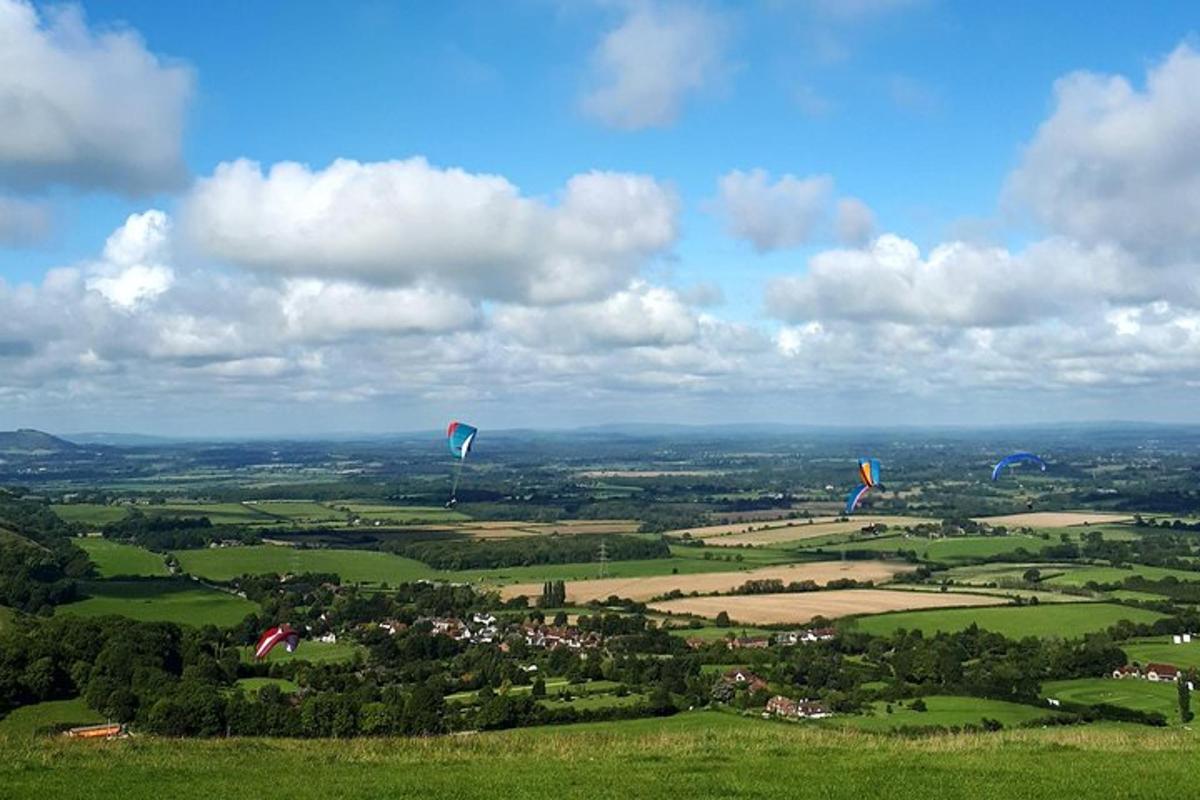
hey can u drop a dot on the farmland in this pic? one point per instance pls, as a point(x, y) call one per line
point(352, 566)
point(702, 754)
point(28, 721)
point(1161, 650)
point(311, 651)
point(800, 607)
point(943, 711)
point(955, 549)
point(1063, 620)
point(113, 559)
point(164, 600)
point(646, 588)
point(1055, 519)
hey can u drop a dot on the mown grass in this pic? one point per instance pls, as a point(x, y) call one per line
point(1064, 620)
point(942, 710)
point(954, 549)
point(1127, 692)
point(30, 720)
point(1080, 576)
point(695, 755)
point(352, 566)
point(165, 600)
point(114, 559)
point(314, 652)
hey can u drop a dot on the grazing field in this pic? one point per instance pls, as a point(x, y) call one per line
point(31, 720)
point(400, 515)
point(90, 513)
point(800, 607)
point(958, 548)
point(1024, 594)
point(713, 632)
point(1060, 620)
point(566, 527)
point(787, 530)
point(697, 754)
point(1055, 519)
point(1161, 650)
point(942, 710)
point(298, 511)
point(645, 588)
point(217, 513)
point(164, 600)
point(352, 566)
point(114, 559)
point(1127, 692)
point(1001, 573)
point(313, 652)
point(1081, 575)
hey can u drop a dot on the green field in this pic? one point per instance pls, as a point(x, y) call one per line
point(315, 652)
point(29, 720)
point(943, 710)
point(1160, 650)
point(695, 755)
point(352, 566)
point(1079, 576)
point(165, 600)
point(954, 549)
point(1127, 692)
point(114, 559)
point(553, 687)
point(400, 515)
point(713, 632)
point(6, 615)
point(251, 685)
point(298, 511)
point(1060, 620)
point(90, 513)
point(218, 513)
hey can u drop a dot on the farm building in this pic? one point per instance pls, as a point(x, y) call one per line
point(781, 706)
point(744, 677)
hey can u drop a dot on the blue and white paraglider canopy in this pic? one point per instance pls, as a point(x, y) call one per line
point(1015, 458)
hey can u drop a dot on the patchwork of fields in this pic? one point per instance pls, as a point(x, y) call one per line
point(164, 600)
point(943, 711)
point(801, 607)
point(1061, 619)
point(114, 559)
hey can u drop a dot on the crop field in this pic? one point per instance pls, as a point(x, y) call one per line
point(1059, 620)
point(1024, 594)
point(90, 513)
point(942, 710)
point(697, 754)
point(352, 566)
point(1161, 650)
point(1002, 572)
point(1055, 519)
point(566, 527)
point(163, 600)
point(400, 515)
point(1127, 692)
point(313, 652)
point(114, 559)
point(30, 720)
point(800, 607)
point(645, 588)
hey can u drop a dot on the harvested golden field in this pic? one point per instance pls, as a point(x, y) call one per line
point(768, 533)
point(801, 607)
point(644, 588)
point(1055, 519)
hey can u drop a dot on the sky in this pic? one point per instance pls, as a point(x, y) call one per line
point(267, 218)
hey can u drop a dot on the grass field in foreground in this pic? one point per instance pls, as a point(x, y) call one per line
point(1127, 692)
point(179, 600)
point(1062, 620)
point(694, 755)
point(1160, 650)
point(114, 559)
point(29, 720)
point(315, 652)
point(943, 710)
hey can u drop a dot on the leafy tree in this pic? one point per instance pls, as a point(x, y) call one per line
point(1185, 699)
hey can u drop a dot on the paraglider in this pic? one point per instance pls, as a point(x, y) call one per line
point(1008, 461)
point(282, 634)
point(460, 437)
point(868, 473)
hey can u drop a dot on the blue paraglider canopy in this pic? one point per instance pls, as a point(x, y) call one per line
point(1015, 458)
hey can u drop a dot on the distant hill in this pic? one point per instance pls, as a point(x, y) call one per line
point(33, 442)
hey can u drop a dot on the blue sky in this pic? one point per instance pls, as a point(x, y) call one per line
point(921, 110)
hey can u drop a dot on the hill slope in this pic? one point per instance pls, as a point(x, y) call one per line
point(29, 441)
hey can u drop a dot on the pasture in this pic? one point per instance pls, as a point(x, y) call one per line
point(92, 514)
point(251, 686)
point(696, 754)
point(114, 559)
point(801, 607)
point(959, 548)
point(352, 566)
point(1064, 620)
point(398, 515)
point(944, 711)
point(310, 651)
point(1078, 576)
point(1161, 650)
point(165, 600)
point(28, 721)
point(759, 533)
point(821, 572)
point(1126, 692)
